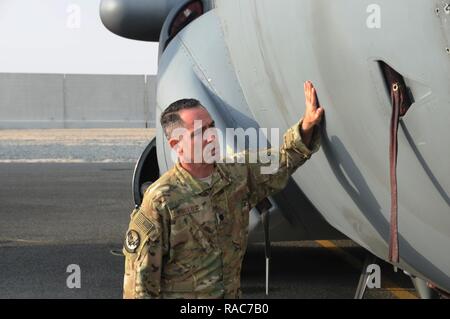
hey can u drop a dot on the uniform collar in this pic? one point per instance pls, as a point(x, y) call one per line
point(218, 181)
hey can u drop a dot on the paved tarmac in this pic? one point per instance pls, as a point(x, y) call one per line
point(65, 198)
point(57, 214)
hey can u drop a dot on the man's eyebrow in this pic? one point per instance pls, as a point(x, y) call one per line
point(212, 124)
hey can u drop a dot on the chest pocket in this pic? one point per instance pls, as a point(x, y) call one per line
point(192, 230)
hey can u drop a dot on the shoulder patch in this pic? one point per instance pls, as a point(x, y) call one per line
point(132, 241)
point(143, 223)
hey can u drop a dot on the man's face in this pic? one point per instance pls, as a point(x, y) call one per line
point(197, 144)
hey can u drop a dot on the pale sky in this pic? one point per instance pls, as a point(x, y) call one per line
point(67, 36)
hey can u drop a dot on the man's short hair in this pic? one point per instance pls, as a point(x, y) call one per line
point(170, 118)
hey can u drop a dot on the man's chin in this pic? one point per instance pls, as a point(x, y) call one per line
point(205, 162)
point(211, 158)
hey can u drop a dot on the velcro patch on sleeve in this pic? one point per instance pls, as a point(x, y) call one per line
point(146, 226)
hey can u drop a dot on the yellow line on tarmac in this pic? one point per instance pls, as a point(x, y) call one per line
point(398, 292)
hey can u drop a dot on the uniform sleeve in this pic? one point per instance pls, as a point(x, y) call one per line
point(145, 246)
point(262, 181)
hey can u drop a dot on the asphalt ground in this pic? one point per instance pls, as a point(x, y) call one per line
point(71, 204)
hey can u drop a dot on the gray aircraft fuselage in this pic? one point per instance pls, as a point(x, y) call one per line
point(246, 61)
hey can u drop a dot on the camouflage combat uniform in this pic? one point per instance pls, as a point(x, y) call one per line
point(188, 238)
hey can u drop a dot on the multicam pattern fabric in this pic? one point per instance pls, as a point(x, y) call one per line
point(192, 235)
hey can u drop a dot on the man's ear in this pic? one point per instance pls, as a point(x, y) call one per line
point(174, 144)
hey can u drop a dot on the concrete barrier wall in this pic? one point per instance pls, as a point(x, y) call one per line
point(76, 101)
point(150, 99)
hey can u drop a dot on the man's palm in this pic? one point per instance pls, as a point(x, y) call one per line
point(313, 113)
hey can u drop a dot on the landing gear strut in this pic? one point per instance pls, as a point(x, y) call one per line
point(364, 277)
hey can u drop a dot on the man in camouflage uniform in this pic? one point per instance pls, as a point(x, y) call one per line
point(189, 236)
